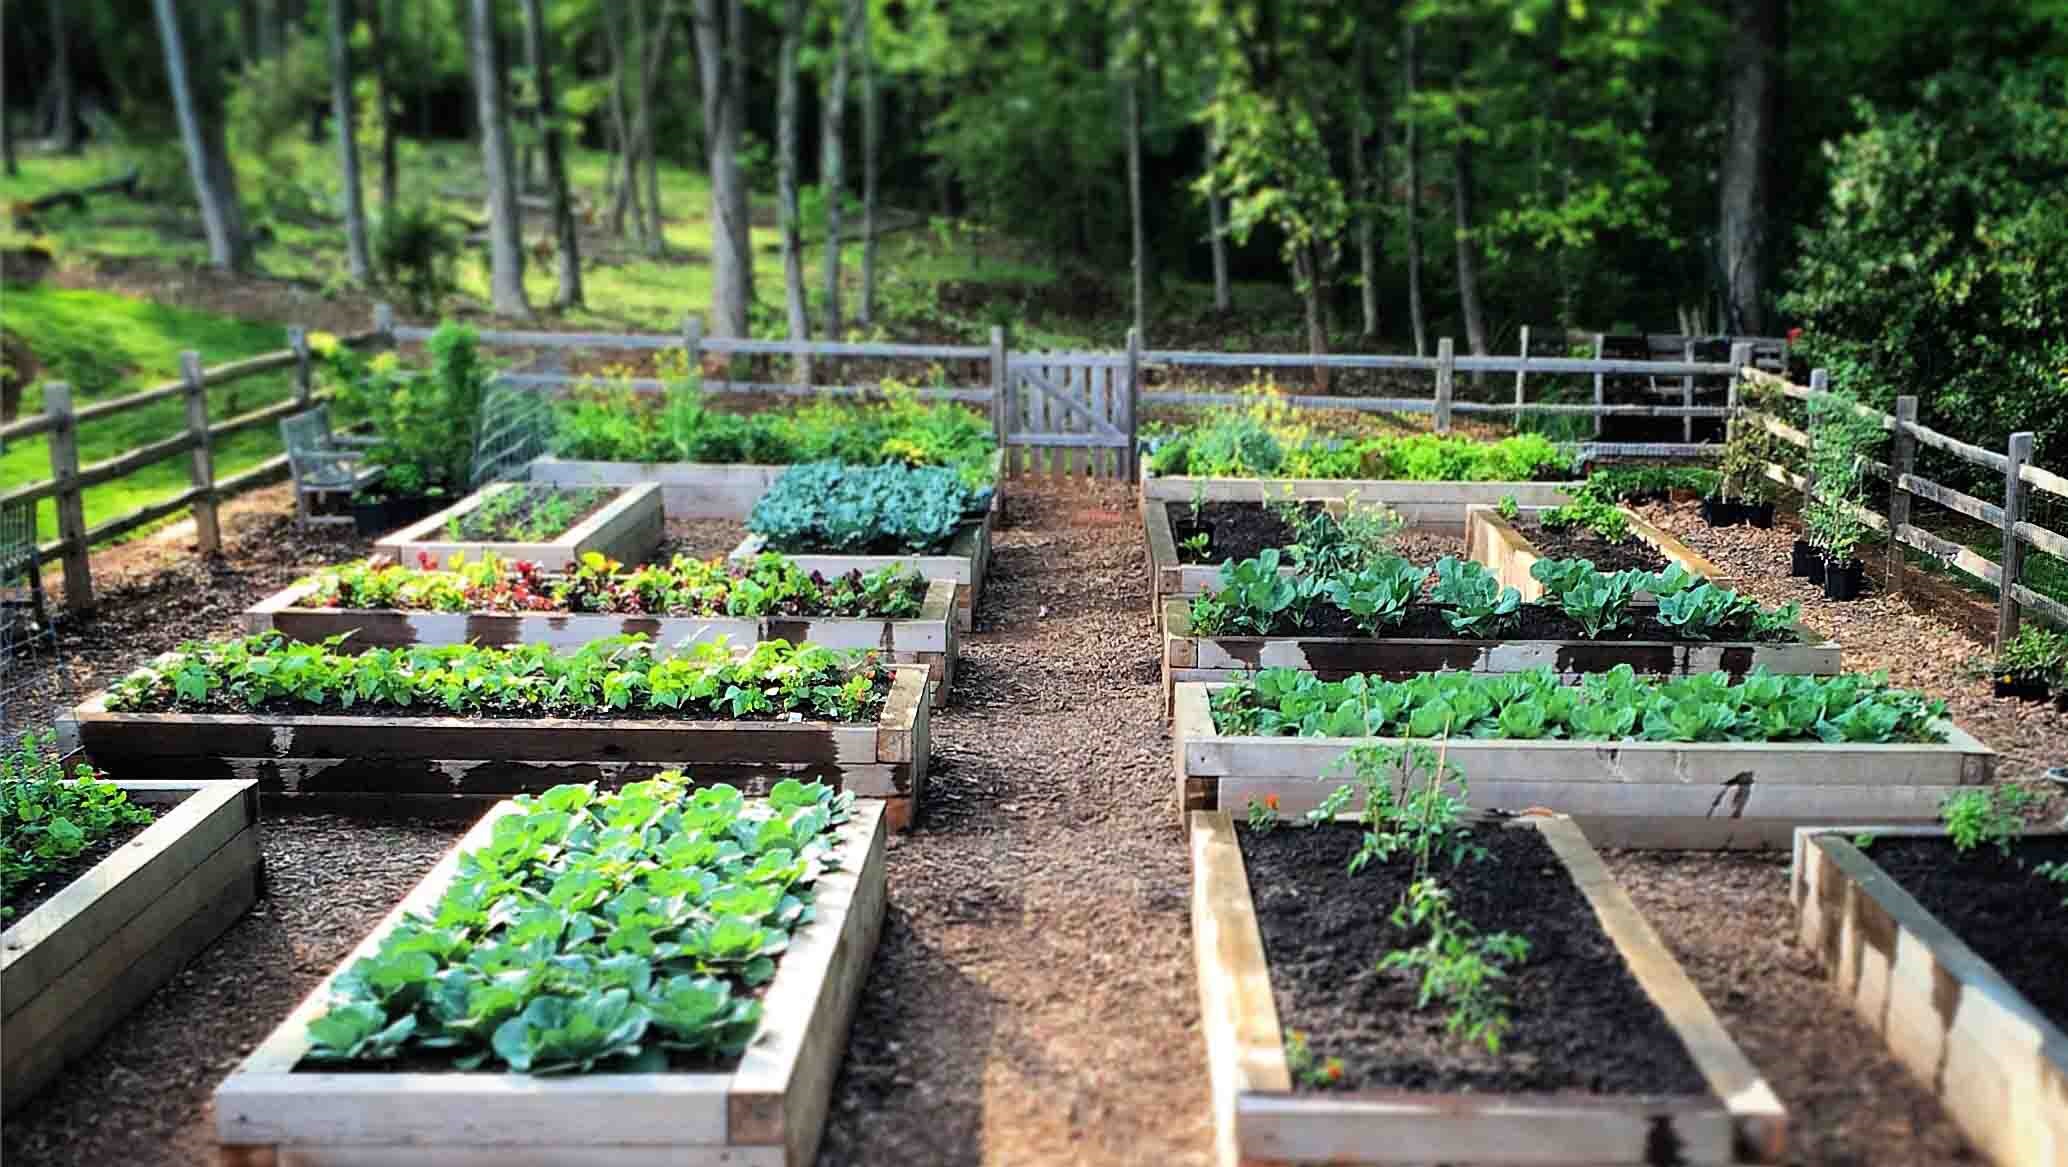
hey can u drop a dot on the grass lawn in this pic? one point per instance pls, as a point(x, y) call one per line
point(106, 345)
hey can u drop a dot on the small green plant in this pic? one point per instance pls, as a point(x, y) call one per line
point(1864, 840)
point(2056, 873)
point(1601, 604)
point(526, 513)
point(48, 817)
point(1195, 546)
point(1479, 605)
point(1320, 1073)
point(2034, 655)
point(1604, 518)
point(1995, 816)
point(1508, 508)
point(1261, 815)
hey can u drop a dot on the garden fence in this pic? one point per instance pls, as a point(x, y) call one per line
point(1907, 487)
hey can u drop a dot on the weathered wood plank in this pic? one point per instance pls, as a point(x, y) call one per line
point(1239, 1019)
point(963, 562)
point(1439, 505)
point(626, 529)
point(689, 490)
point(1997, 1064)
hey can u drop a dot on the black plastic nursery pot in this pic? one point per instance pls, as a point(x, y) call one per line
point(384, 515)
point(1844, 581)
point(1805, 561)
point(1718, 513)
point(1759, 514)
point(2020, 688)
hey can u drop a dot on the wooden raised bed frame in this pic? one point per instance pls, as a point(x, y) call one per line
point(1216, 658)
point(769, 1111)
point(1665, 795)
point(689, 490)
point(965, 562)
point(1435, 505)
point(929, 638)
point(1259, 1119)
point(420, 762)
point(628, 528)
point(1508, 553)
point(1998, 1065)
point(71, 968)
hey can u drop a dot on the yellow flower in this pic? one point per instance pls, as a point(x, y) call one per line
point(322, 343)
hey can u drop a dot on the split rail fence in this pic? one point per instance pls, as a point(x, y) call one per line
point(1907, 488)
point(60, 420)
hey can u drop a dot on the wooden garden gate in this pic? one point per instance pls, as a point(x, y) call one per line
point(1069, 414)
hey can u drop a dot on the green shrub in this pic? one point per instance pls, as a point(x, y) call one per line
point(416, 252)
point(1940, 268)
point(424, 418)
point(891, 509)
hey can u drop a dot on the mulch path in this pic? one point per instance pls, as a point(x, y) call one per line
point(1032, 999)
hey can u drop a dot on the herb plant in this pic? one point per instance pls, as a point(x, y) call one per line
point(1614, 705)
point(1995, 816)
point(620, 674)
point(595, 931)
point(47, 818)
point(827, 506)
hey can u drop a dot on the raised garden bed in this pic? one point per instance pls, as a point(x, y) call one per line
point(963, 562)
point(74, 965)
point(689, 490)
point(929, 639)
point(1902, 949)
point(1713, 1106)
point(767, 1111)
point(1187, 657)
point(1436, 505)
point(1170, 575)
point(415, 761)
point(1624, 793)
point(1509, 553)
point(627, 528)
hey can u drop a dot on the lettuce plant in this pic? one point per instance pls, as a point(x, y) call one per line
point(595, 931)
point(1479, 605)
point(1379, 595)
point(1601, 604)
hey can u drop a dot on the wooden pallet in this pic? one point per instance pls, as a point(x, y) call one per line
point(1438, 506)
point(1998, 1065)
point(1187, 657)
point(627, 529)
point(929, 638)
point(1509, 554)
point(769, 1111)
point(1259, 1119)
point(1624, 794)
point(388, 760)
point(70, 969)
point(965, 561)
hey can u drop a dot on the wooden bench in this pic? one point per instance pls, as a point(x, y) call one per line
point(324, 462)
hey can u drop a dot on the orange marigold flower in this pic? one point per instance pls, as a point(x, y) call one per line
point(1271, 801)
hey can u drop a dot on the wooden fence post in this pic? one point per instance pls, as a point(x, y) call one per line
point(384, 325)
point(693, 344)
point(2013, 552)
point(1741, 357)
point(1687, 395)
point(1902, 460)
point(208, 535)
point(1446, 380)
point(1130, 463)
point(1520, 396)
point(998, 392)
point(1600, 384)
point(71, 505)
point(304, 379)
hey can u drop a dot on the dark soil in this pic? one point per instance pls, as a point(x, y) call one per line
point(29, 896)
point(380, 713)
point(1581, 1021)
point(1631, 554)
point(511, 522)
point(2015, 920)
point(1236, 530)
point(1530, 622)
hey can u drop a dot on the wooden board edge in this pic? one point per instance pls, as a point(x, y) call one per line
point(1191, 720)
point(1759, 1119)
point(1238, 1016)
point(779, 1092)
point(903, 706)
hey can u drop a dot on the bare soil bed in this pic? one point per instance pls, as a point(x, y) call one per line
point(1033, 999)
point(2011, 917)
point(1630, 553)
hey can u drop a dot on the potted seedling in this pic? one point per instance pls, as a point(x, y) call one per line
point(1843, 571)
point(1742, 493)
point(1806, 555)
point(2031, 666)
point(425, 420)
point(1840, 441)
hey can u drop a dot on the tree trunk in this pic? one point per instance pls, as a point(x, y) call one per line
point(786, 181)
point(65, 126)
point(1137, 246)
point(505, 223)
point(344, 112)
point(1468, 250)
point(721, 43)
point(1412, 148)
point(199, 109)
point(384, 98)
point(1217, 228)
point(1747, 179)
point(833, 166)
point(624, 188)
point(1307, 273)
point(652, 42)
point(567, 241)
point(872, 132)
point(7, 159)
point(1367, 242)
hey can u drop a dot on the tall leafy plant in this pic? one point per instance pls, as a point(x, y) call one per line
point(425, 418)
